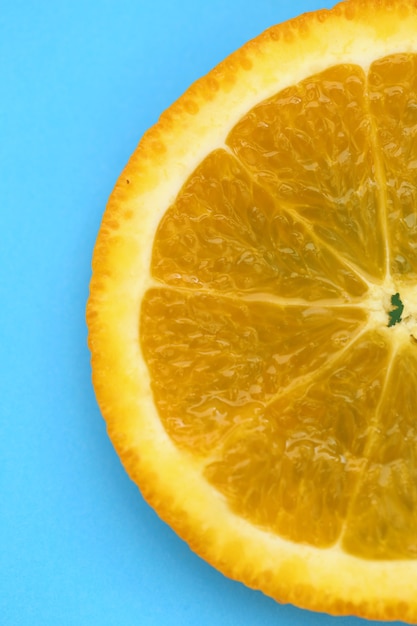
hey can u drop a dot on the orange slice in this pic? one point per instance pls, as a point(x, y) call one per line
point(253, 312)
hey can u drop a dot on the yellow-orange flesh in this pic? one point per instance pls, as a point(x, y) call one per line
point(268, 332)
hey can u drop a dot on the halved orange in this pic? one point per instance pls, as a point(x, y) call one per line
point(253, 312)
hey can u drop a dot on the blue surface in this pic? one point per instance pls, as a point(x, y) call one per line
point(80, 83)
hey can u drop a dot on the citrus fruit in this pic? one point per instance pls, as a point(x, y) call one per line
point(253, 312)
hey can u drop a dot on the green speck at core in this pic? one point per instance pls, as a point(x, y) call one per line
point(398, 307)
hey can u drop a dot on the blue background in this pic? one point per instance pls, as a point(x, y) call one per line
point(80, 83)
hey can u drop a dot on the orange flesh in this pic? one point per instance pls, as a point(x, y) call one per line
point(264, 356)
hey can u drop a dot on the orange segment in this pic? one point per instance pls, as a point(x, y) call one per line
point(383, 518)
point(393, 98)
point(296, 472)
point(226, 232)
point(312, 146)
point(216, 363)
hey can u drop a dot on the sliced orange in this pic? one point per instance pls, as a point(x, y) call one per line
point(253, 312)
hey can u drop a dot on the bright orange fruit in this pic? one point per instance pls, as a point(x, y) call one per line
point(253, 312)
